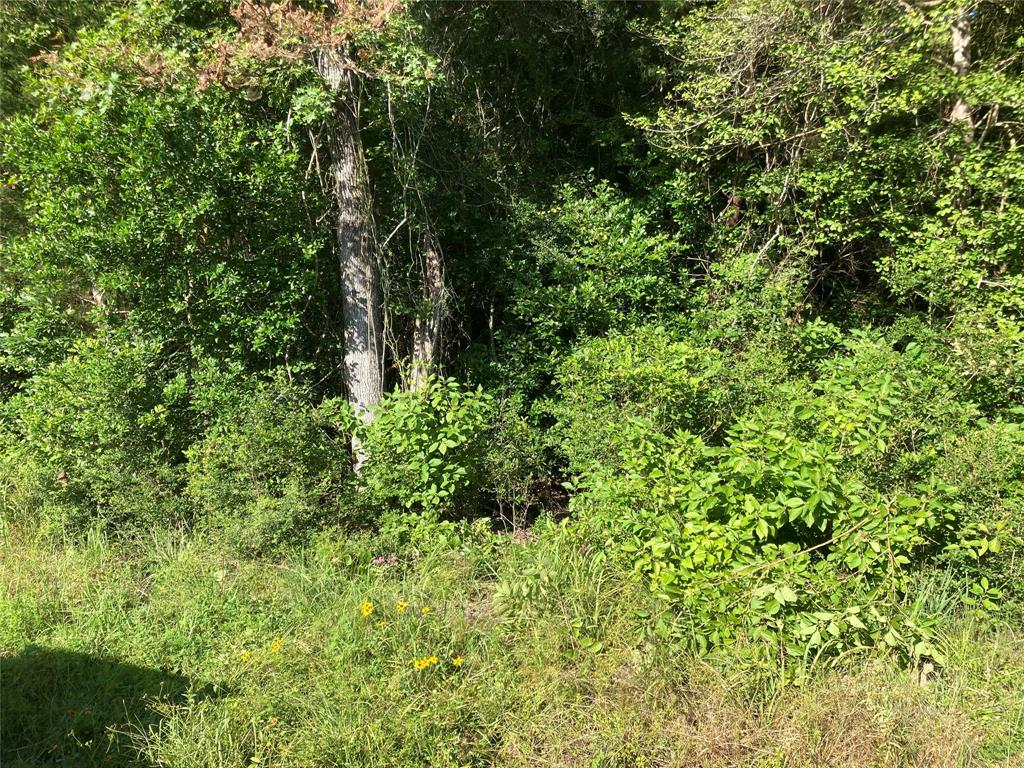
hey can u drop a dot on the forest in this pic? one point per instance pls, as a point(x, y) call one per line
point(453, 383)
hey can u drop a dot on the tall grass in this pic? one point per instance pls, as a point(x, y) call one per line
point(171, 652)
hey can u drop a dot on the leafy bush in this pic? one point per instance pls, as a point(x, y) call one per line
point(162, 210)
point(988, 352)
point(646, 375)
point(514, 465)
point(93, 440)
point(589, 264)
point(986, 467)
point(802, 529)
point(652, 376)
point(425, 449)
point(272, 465)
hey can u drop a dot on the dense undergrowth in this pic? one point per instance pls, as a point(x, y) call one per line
point(701, 440)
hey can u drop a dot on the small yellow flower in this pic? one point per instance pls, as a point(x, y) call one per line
point(245, 655)
point(424, 610)
point(426, 661)
point(366, 608)
point(275, 645)
point(401, 607)
point(381, 623)
point(457, 661)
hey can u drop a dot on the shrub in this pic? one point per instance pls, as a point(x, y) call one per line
point(591, 263)
point(272, 465)
point(764, 539)
point(93, 440)
point(986, 467)
point(425, 449)
point(645, 375)
point(649, 376)
point(799, 528)
point(515, 464)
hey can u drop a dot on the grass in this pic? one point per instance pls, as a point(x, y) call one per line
point(173, 652)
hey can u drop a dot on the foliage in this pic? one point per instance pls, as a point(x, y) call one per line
point(594, 263)
point(91, 439)
point(734, 286)
point(425, 449)
point(155, 208)
point(271, 467)
point(984, 465)
point(803, 528)
point(514, 465)
point(826, 127)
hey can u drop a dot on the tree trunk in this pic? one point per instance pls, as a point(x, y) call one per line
point(961, 113)
point(426, 333)
point(361, 299)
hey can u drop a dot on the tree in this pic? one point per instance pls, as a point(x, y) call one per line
point(361, 313)
point(156, 209)
point(287, 33)
point(839, 126)
point(428, 323)
point(961, 34)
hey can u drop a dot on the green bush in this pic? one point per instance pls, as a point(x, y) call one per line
point(93, 440)
point(591, 263)
point(986, 467)
point(272, 466)
point(644, 375)
point(800, 526)
point(425, 449)
point(515, 464)
point(653, 376)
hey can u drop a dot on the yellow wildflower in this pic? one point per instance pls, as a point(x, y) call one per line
point(275, 645)
point(424, 610)
point(245, 655)
point(366, 608)
point(457, 661)
point(401, 607)
point(426, 661)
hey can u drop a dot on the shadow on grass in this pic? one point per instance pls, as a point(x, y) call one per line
point(60, 708)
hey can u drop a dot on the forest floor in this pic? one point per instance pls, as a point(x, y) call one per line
point(508, 651)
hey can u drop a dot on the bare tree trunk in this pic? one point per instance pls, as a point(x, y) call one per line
point(961, 113)
point(426, 332)
point(361, 301)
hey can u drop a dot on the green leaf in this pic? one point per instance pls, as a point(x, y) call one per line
point(785, 595)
